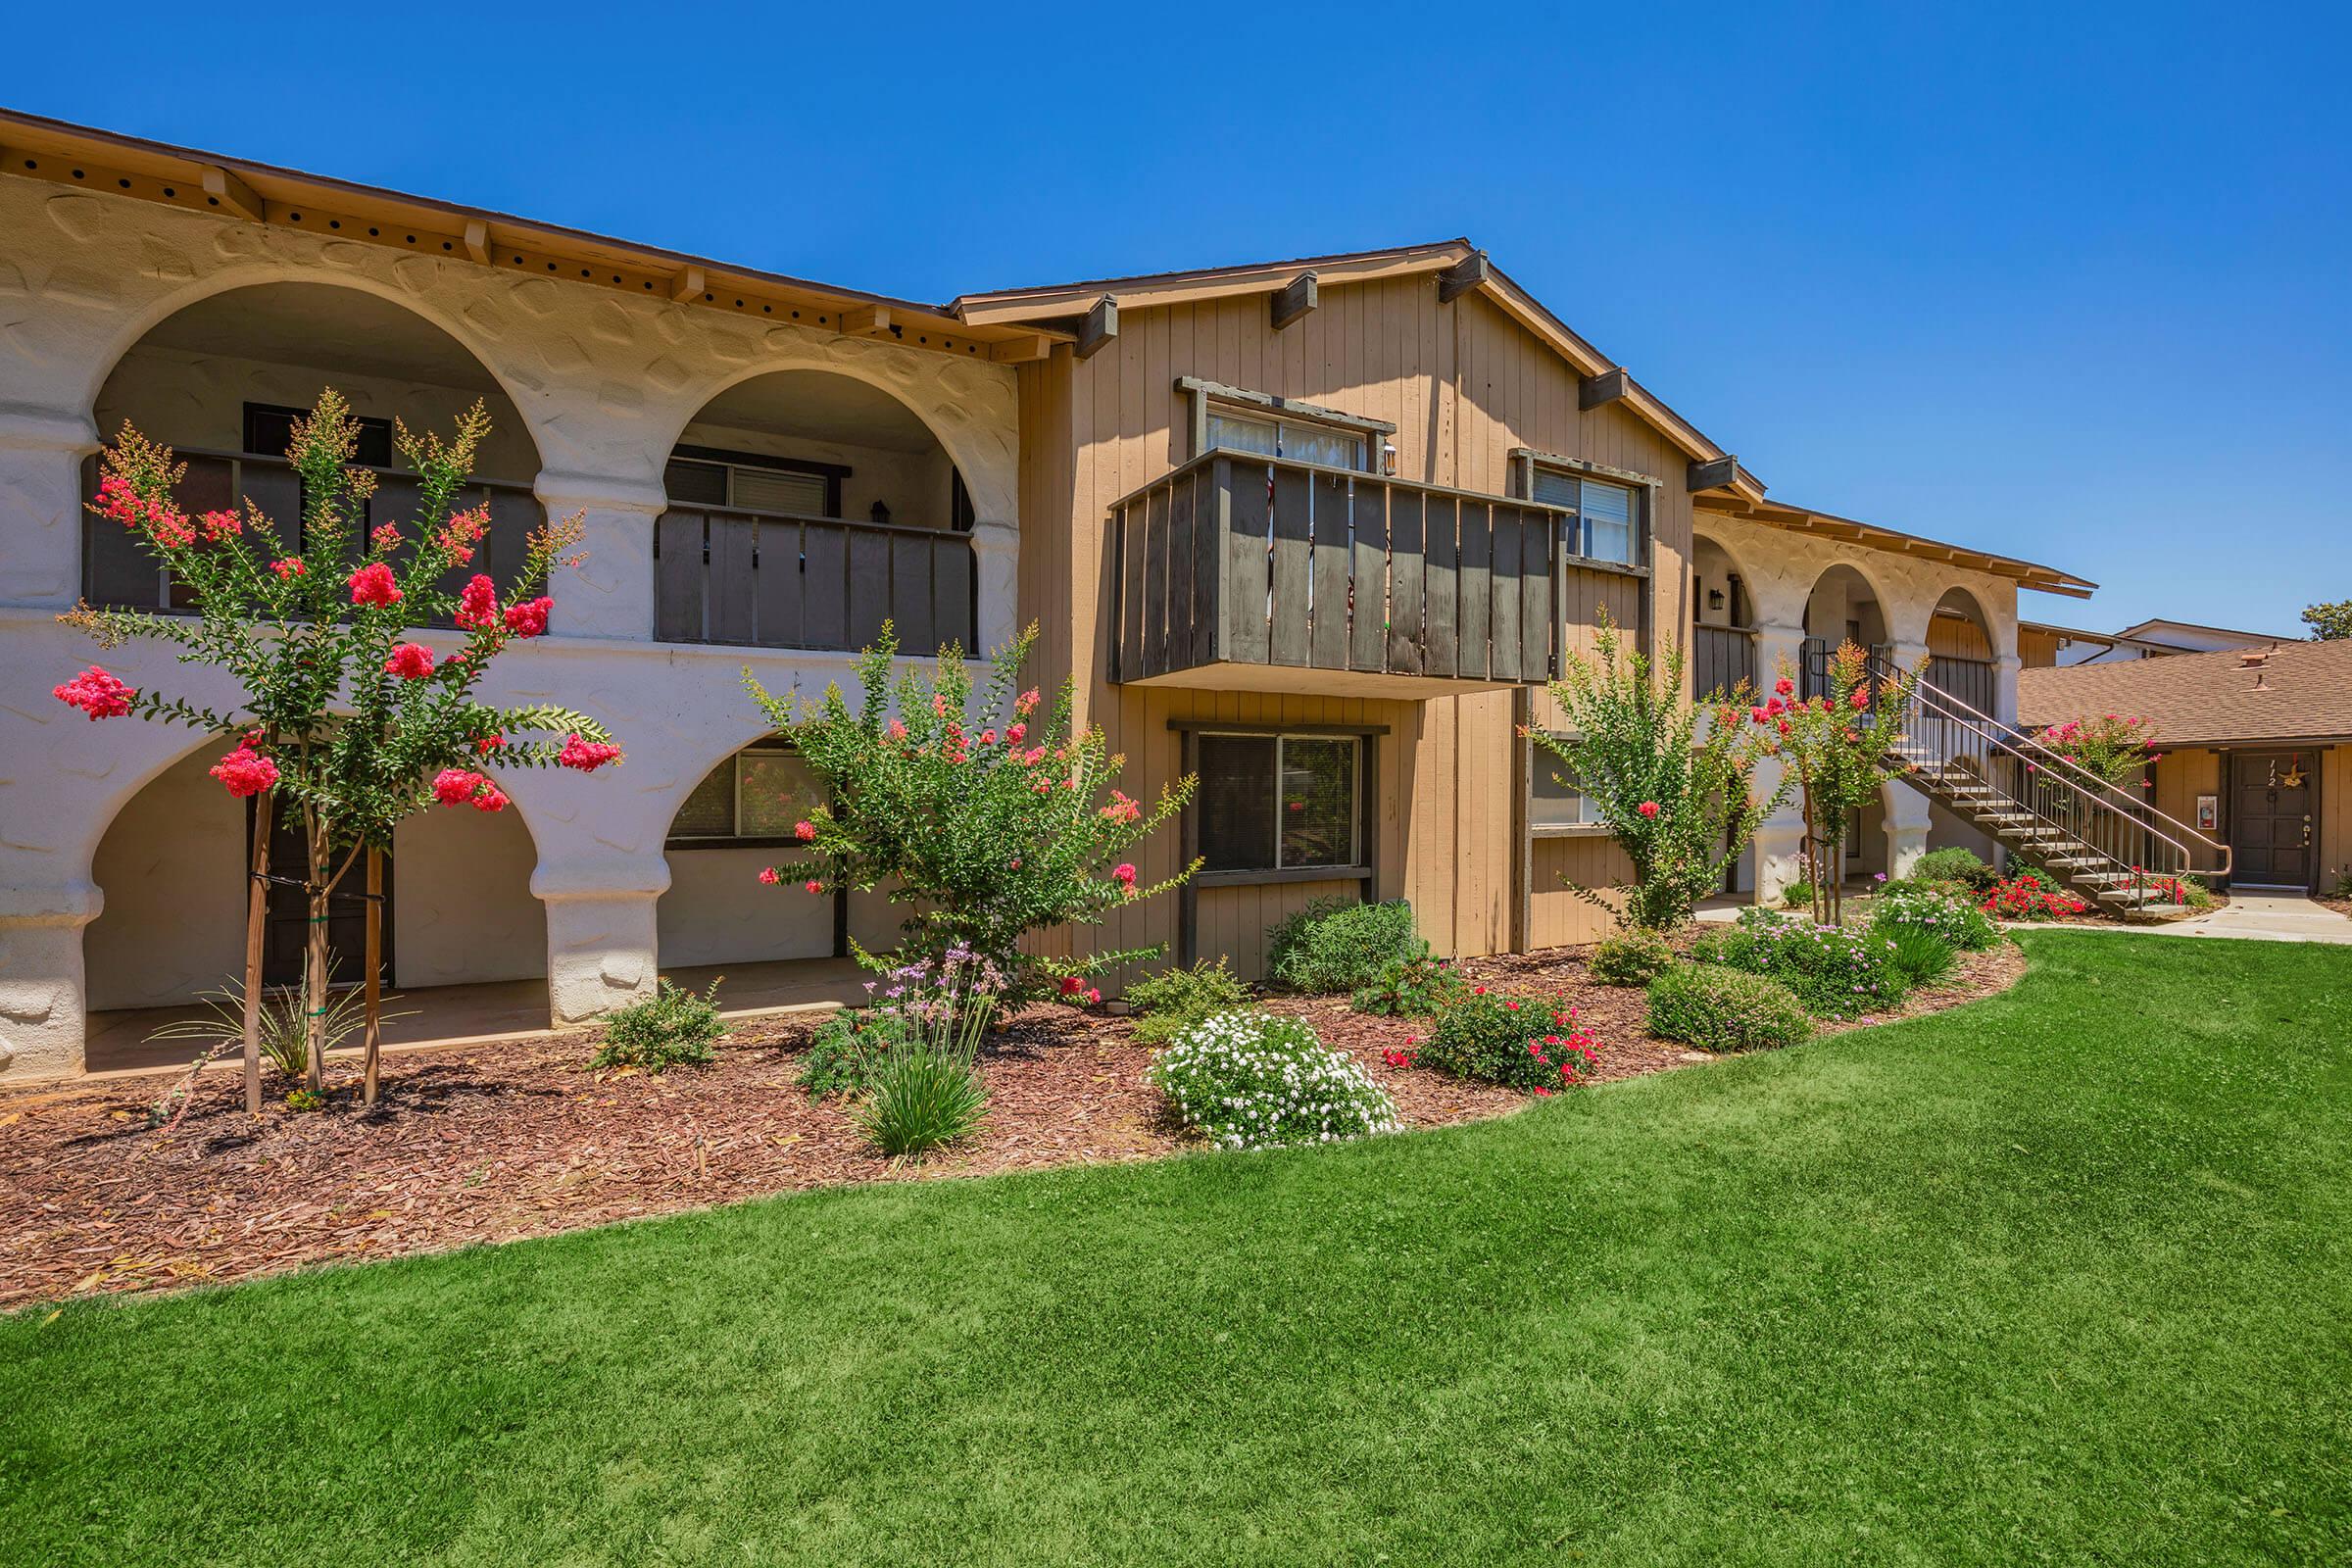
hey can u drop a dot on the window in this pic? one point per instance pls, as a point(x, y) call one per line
point(701, 477)
point(1606, 527)
point(1300, 439)
point(269, 431)
point(1554, 800)
point(1275, 801)
point(754, 797)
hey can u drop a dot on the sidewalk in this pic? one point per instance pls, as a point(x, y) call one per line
point(2247, 916)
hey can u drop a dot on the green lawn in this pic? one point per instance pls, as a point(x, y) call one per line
point(2062, 1277)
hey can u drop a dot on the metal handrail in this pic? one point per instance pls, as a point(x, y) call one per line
point(1997, 737)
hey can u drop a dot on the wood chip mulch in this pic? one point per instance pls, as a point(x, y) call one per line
point(491, 1143)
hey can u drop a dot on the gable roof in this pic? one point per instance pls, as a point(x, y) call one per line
point(1056, 305)
point(2285, 692)
point(2148, 631)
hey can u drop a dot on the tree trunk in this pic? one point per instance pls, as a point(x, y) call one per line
point(257, 913)
point(375, 968)
point(314, 961)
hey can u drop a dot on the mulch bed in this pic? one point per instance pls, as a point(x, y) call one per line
point(491, 1143)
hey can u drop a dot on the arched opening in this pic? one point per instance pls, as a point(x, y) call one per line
point(219, 381)
point(1844, 608)
point(465, 941)
point(1960, 650)
point(807, 508)
point(1723, 638)
point(775, 944)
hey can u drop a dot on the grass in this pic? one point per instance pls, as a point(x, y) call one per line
point(2057, 1278)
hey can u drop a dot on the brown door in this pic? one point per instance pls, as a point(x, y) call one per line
point(2274, 796)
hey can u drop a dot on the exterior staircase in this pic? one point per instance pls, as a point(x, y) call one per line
point(2104, 842)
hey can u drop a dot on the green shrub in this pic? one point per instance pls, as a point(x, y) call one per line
point(1518, 1042)
point(1959, 866)
point(1630, 957)
point(1838, 974)
point(922, 1097)
point(1252, 1079)
point(1409, 988)
point(1917, 907)
point(1720, 1009)
point(669, 1028)
point(1797, 895)
point(1168, 1004)
point(1919, 956)
point(1338, 945)
point(849, 1047)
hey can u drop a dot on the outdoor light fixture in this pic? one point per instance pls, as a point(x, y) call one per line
point(880, 513)
point(1388, 458)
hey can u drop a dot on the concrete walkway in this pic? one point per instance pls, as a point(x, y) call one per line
point(2251, 916)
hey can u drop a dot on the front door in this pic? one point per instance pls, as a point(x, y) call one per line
point(2273, 798)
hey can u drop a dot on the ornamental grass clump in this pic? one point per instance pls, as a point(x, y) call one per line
point(1520, 1042)
point(1919, 956)
point(1166, 1004)
point(925, 1092)
point(1913, 906)
point(1720, 1009)
point(1336, 945)
point(1838, 972)
point(672, 1028)
point(1253, 1080)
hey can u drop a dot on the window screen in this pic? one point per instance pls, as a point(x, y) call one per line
point(757, 794)
point(773, 490)
point(1608, 511)
point(1302, 439)
point(1318, 801)
point(1237, 802)
point(1268, 802)
point(1554, 800)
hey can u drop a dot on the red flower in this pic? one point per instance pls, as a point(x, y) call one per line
point(1860, 700)
point(455, 786)
point(462, 529)
point(768, 875)
point(410, 661)
point(1648, 809)
point(384, 536)
point(586, 756)
point(529, 618)
point(803, 831)
point(219, 525)
point(291, 567)
point(491, 799)
point(814, 885)
point(477, 603)
point(1072, 985)
point(1758, 716)
point(1543, 1093)
point(245, 771)
point(490, 743)
point(95, 693)
point(1125, 874)
point(373, 584)
point(1013, 735)
point(1784, 685)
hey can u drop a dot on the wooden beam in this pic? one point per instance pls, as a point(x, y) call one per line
point(1713, 475)
point(686, 284)
point(478, 239)
point(1020, 350)
point(1606, 387)
point(232, 194)
point(867, 321)
point(1100, 327)
point(1470, 272)
point(1294, 300)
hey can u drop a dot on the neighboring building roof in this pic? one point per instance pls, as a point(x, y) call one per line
point(2290, 691)
point(2152, 631)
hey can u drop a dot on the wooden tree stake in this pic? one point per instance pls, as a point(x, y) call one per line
point(375, 968)
point(315, 965)
point(257, 913)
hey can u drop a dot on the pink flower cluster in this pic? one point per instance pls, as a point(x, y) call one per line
point(586, 754)
point(463, 531)
point(410, 661)
point(477, 603)
point(290, 566)
point(529, 617)
point(1123, 808)
point(96, 692)
point(245, 771)
point(164, 522)
point(457, 786)
point(374, 584)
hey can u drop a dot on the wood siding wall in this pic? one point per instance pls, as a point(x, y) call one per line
point(1464, 385)
point(2187, 772)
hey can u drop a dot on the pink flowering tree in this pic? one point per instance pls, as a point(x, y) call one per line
point(976, 807)
point(1836, 748)
point(2112, 746)
point(343, 718)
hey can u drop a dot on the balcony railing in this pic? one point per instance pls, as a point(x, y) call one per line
point(1235, 560)
point(772, 580)
point(117, 571)
point(1721, 658)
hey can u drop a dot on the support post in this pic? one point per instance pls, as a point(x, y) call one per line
point(257, 915)
point(376, 971)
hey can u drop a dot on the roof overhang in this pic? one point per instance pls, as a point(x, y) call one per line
point(1870, 537)
point(80, 157)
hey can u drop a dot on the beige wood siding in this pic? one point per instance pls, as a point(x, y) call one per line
point(1464, 385)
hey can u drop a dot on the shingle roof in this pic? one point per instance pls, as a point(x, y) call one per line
point(2299, 691)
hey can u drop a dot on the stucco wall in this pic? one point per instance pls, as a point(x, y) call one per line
point(171, 869)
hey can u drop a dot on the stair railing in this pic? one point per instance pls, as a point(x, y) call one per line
point(2064, 797)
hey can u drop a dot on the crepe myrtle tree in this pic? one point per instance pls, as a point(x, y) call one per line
point(1680, 802)
point(341, 714)
point(980, 810)
point(1835, 748)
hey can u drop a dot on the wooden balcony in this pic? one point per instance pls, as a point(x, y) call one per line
point(1244, 572)
point(772, 579)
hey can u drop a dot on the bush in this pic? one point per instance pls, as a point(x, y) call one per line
point(1721, 1009)
point(1338, 945)
point(1517, 1042)
point(1630, 957)
point(923, 1099)
point(849, 1048)
point(1919, 956)
point(1409, 988)
point(1961, 867)
point(2030, 896)
point(1838, 973)
point(1252, 1079)
point(1910, 906)
point(1168, 1004)
point(669, 1028)
point(1797, 895)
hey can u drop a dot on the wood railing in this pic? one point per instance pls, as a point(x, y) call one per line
point(1721, 658)
point(1240, 559)
point(773, 579)
point(117, 571)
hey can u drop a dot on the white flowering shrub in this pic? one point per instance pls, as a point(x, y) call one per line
point(1253, 1080)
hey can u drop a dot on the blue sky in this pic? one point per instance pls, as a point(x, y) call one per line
point(2069, 282)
